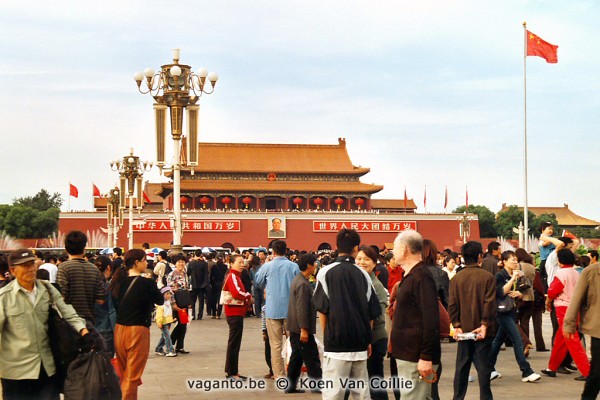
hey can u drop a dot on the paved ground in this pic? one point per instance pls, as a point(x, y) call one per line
point(166, 378)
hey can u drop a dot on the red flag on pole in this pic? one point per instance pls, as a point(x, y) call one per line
point(73, 190)
point(146, 198)
point(405, 199)
point(446, 199)
point(95, 191)
point(425, 197)
point(467, 199)
point(536, 46)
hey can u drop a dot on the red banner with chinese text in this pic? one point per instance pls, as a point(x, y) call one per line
point(364, 226)
point(193, 225)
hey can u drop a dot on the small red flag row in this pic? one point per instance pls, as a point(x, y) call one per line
point(74, 192)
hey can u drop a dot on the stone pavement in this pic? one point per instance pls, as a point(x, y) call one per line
point(166, 378)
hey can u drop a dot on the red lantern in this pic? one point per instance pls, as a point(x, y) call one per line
point(339, 201)
point(204, 200)
point(226, 200)
point(183, 200)
point(247, 200)
point(318, 201)
point(297, 201)
point(359, 202)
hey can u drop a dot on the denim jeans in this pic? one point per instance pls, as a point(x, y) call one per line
point(165, 339)
point(508, 327)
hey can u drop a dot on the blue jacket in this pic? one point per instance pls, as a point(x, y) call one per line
point(277, 276)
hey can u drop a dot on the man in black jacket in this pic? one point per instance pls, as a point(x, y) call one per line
point(415, 335)
point(347, 305)
point(198, 273)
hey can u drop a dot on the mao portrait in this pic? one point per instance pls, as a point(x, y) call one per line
point(276, 228)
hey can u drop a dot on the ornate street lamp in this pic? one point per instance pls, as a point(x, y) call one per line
point(131, 170)
point(177, 88)
point(114, 215)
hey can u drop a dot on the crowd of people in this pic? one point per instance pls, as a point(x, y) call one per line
point(369, 305)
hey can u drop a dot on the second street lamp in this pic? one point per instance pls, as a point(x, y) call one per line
point(176, 87)
point(131, 170)
point(114, 215)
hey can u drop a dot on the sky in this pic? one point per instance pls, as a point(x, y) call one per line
point(427, 94)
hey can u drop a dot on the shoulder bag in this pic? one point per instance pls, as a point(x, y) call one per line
point(65, 342)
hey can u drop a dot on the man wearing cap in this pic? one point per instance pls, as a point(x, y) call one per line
point(80, 282)
point(27, 368)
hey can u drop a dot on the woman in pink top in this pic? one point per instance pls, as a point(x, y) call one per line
point(560, 291)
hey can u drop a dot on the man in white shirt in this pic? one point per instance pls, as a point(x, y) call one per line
point(50, 261)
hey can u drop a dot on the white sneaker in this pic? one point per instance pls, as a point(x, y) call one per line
point(532, 378)
point(159, 353)
point(171, 354)
point(496, 375)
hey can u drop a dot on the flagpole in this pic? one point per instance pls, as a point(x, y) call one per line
point(69, 196)
point(525, 208)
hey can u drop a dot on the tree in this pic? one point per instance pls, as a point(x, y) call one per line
point(509, 219)
point(19, 221)
point(486, 217)
point(42, 201)
point(534, 227)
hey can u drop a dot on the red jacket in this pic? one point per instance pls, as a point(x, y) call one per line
point(233, 284)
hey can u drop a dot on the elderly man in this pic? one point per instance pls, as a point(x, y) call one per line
point(27, 368)
point(415, 335)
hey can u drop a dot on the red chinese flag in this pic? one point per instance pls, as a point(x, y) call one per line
point(568, 234)
point(446, 199)
point(73, 190)
point(146, 198)
point(95, 191)
point(536, 46)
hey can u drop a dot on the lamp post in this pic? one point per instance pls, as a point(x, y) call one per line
point(114, 216)
point(465, 226)
point(131, 170)
point(176, 87)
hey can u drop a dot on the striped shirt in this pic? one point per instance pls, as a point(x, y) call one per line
point(81, 284)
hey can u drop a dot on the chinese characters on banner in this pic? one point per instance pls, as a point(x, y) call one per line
point(193, 225)
point(364, 226)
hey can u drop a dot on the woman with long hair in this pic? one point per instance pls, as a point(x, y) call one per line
point(442, 286)
point(106, 315)
point(134, 297)
point(506, 294)
point(367, 260)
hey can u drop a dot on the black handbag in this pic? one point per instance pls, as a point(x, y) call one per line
point(505, 304)
point(183, 298)
point(65, 342)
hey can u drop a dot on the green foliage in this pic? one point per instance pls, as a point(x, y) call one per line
point(42, 201)
point(487, 219)
point(31, 217)
point(534, 226)
point(509, 219)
